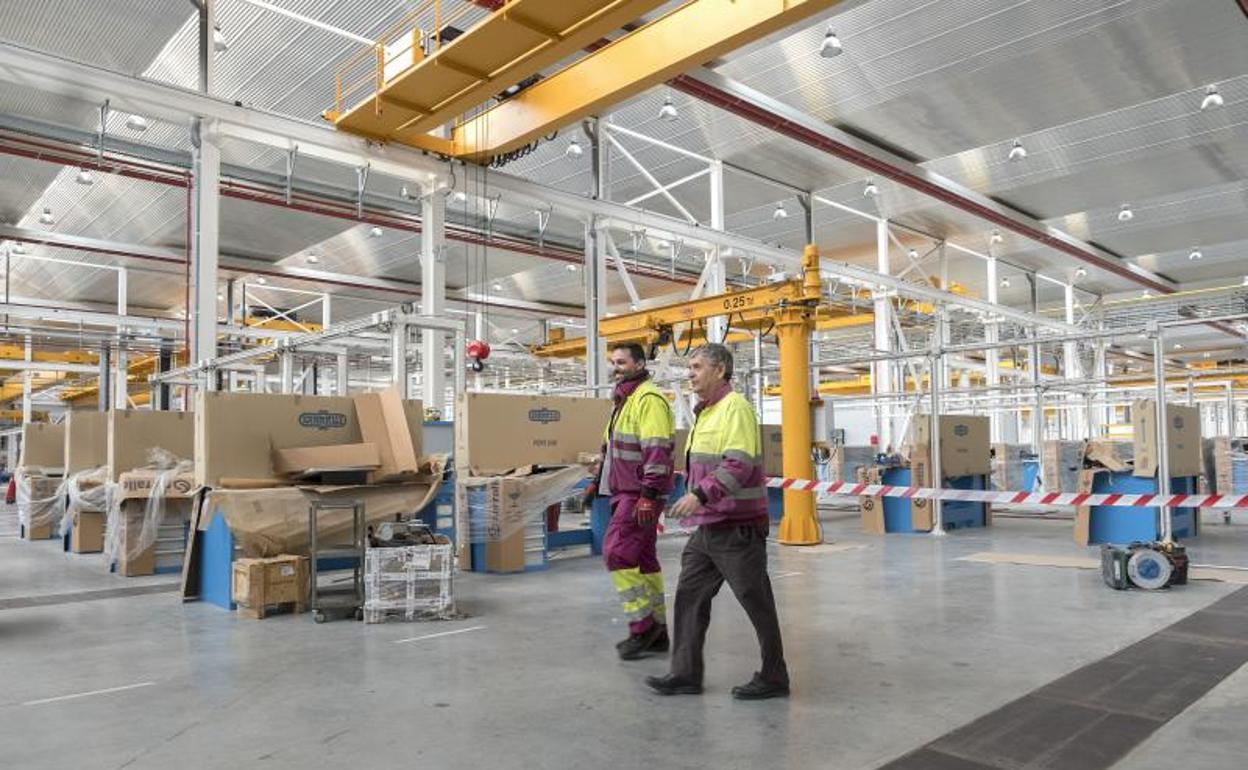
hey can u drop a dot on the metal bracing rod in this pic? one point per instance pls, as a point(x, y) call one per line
point(667, 187)
point(658, 186)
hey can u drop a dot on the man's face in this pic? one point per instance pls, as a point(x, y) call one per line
point(623, 365)
point(703, 377)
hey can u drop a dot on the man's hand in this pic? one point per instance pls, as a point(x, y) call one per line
point(591, 494)
point(686, 506)
point(647, 510)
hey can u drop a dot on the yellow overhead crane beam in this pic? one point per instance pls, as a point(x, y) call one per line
point(685, 37)
point(559, 346)
point(515, 42)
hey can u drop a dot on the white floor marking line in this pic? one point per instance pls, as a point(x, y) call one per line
point(88, 694)
point(444, 633)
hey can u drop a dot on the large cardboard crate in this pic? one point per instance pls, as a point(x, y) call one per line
point(133, 433)
point(497, 432)
point(237, 433)
point(1182, 438)
point(964, 443)
point(86, 441)
point(43, 446)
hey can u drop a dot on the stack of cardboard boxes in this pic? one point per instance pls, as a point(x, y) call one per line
point(39, 476)
point(964, 451)
point(86, 469)
point(515, 455)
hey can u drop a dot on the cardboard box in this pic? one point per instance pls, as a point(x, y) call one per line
point(1219, 468)
point(871, 509)
point(1182, 439)
point(87, 533)
point(86, 441)
point(496, 432)
point(964, 443)
point(37, 497)
point(43, 446)
point(383, 424)
point(236, 433)
point(921, 517)
point(132, 493)
point(1083, 513)
point(133, 433)
point(773, 450)
point(258, 584)
point(498, 511)
point(336, 457)
point(37, 532)
point(1060, 463)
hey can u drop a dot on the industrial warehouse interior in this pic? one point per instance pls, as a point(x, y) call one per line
point(398, 383)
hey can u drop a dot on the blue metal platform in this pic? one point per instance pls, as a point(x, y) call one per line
point(955, 514)
point(1122, 524)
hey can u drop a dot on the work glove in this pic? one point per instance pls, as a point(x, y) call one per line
point(591, 494)
point(647, 510)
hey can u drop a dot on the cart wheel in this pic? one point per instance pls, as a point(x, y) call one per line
point(1226, 517)
point(318, 616)
point(359, 613)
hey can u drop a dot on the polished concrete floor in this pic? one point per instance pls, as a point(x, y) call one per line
point(892, 642)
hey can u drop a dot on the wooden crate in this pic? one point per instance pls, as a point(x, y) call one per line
point(276, 581)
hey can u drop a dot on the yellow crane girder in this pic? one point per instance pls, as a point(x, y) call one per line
point(515, 42)
point(684, 38)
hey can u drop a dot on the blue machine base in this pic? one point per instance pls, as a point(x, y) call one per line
point(1031, 475)
point(955, 514)
point(1121, 524)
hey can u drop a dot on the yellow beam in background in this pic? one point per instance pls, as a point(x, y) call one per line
point(519, 40)
point(684, 38)
point(18, 353)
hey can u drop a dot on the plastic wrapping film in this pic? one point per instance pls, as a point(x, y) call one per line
point(85, 491)
point(413, 582)
point(498, 507)
point(40, 498)
point(1007, 467)
point(122, 544)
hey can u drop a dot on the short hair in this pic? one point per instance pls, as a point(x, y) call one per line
point(636, 351)
point(717, 355)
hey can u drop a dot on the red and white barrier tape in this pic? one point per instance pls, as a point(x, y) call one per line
point(1015, 498)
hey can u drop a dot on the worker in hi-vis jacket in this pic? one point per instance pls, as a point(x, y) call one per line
point(636, 472)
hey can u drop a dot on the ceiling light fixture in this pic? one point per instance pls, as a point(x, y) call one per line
point(136, 123)
point(1146, 294)
point(219, 43)
point(870, 191)
point(459, 196)
point(668, 111)
point(781, 212)
point(46, 218)
point(403, 192)
point(84, 177)
point(1018, 151)
point(312, 259)
point(17, 249)
point(1081, 272)
point(497, 287)
point(1212, 98)
point(1178, 346)
point(1005, 283)
point(575, 150)
point(1195, 255)
point(262, 280)
point(220, 298)
point(913, 253)
point(515, 331)
point(831, 45)
point(1125, 214)
point(996, 237)
point(571, 268)
point(375, 232)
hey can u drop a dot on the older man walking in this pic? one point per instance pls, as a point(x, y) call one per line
point(727, 500)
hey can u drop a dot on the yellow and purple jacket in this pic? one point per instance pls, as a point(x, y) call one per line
point(724, 461)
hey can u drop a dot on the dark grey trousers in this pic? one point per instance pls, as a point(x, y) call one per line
point(737, 555)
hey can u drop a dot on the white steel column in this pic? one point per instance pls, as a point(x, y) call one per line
point(341, 371)
point(716, 283)
point(1100, 371)
point(398, 358)
point(26, 376)
point(882, 374)
point(1071, 368)
point(286, 361)
point(205, 223)
point(992, 356)
point(433, 296)
point(596, 263)
point(121, 370)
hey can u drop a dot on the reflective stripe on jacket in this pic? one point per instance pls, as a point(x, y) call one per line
point(725, 462)
point(640, 444)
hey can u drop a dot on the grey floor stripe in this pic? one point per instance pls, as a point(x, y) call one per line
point(1091, 718)
point(47, 600)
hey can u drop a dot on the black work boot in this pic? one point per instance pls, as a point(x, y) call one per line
point(661, 641)
point(760, 689)
point(669, 684)
point(638, 645)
